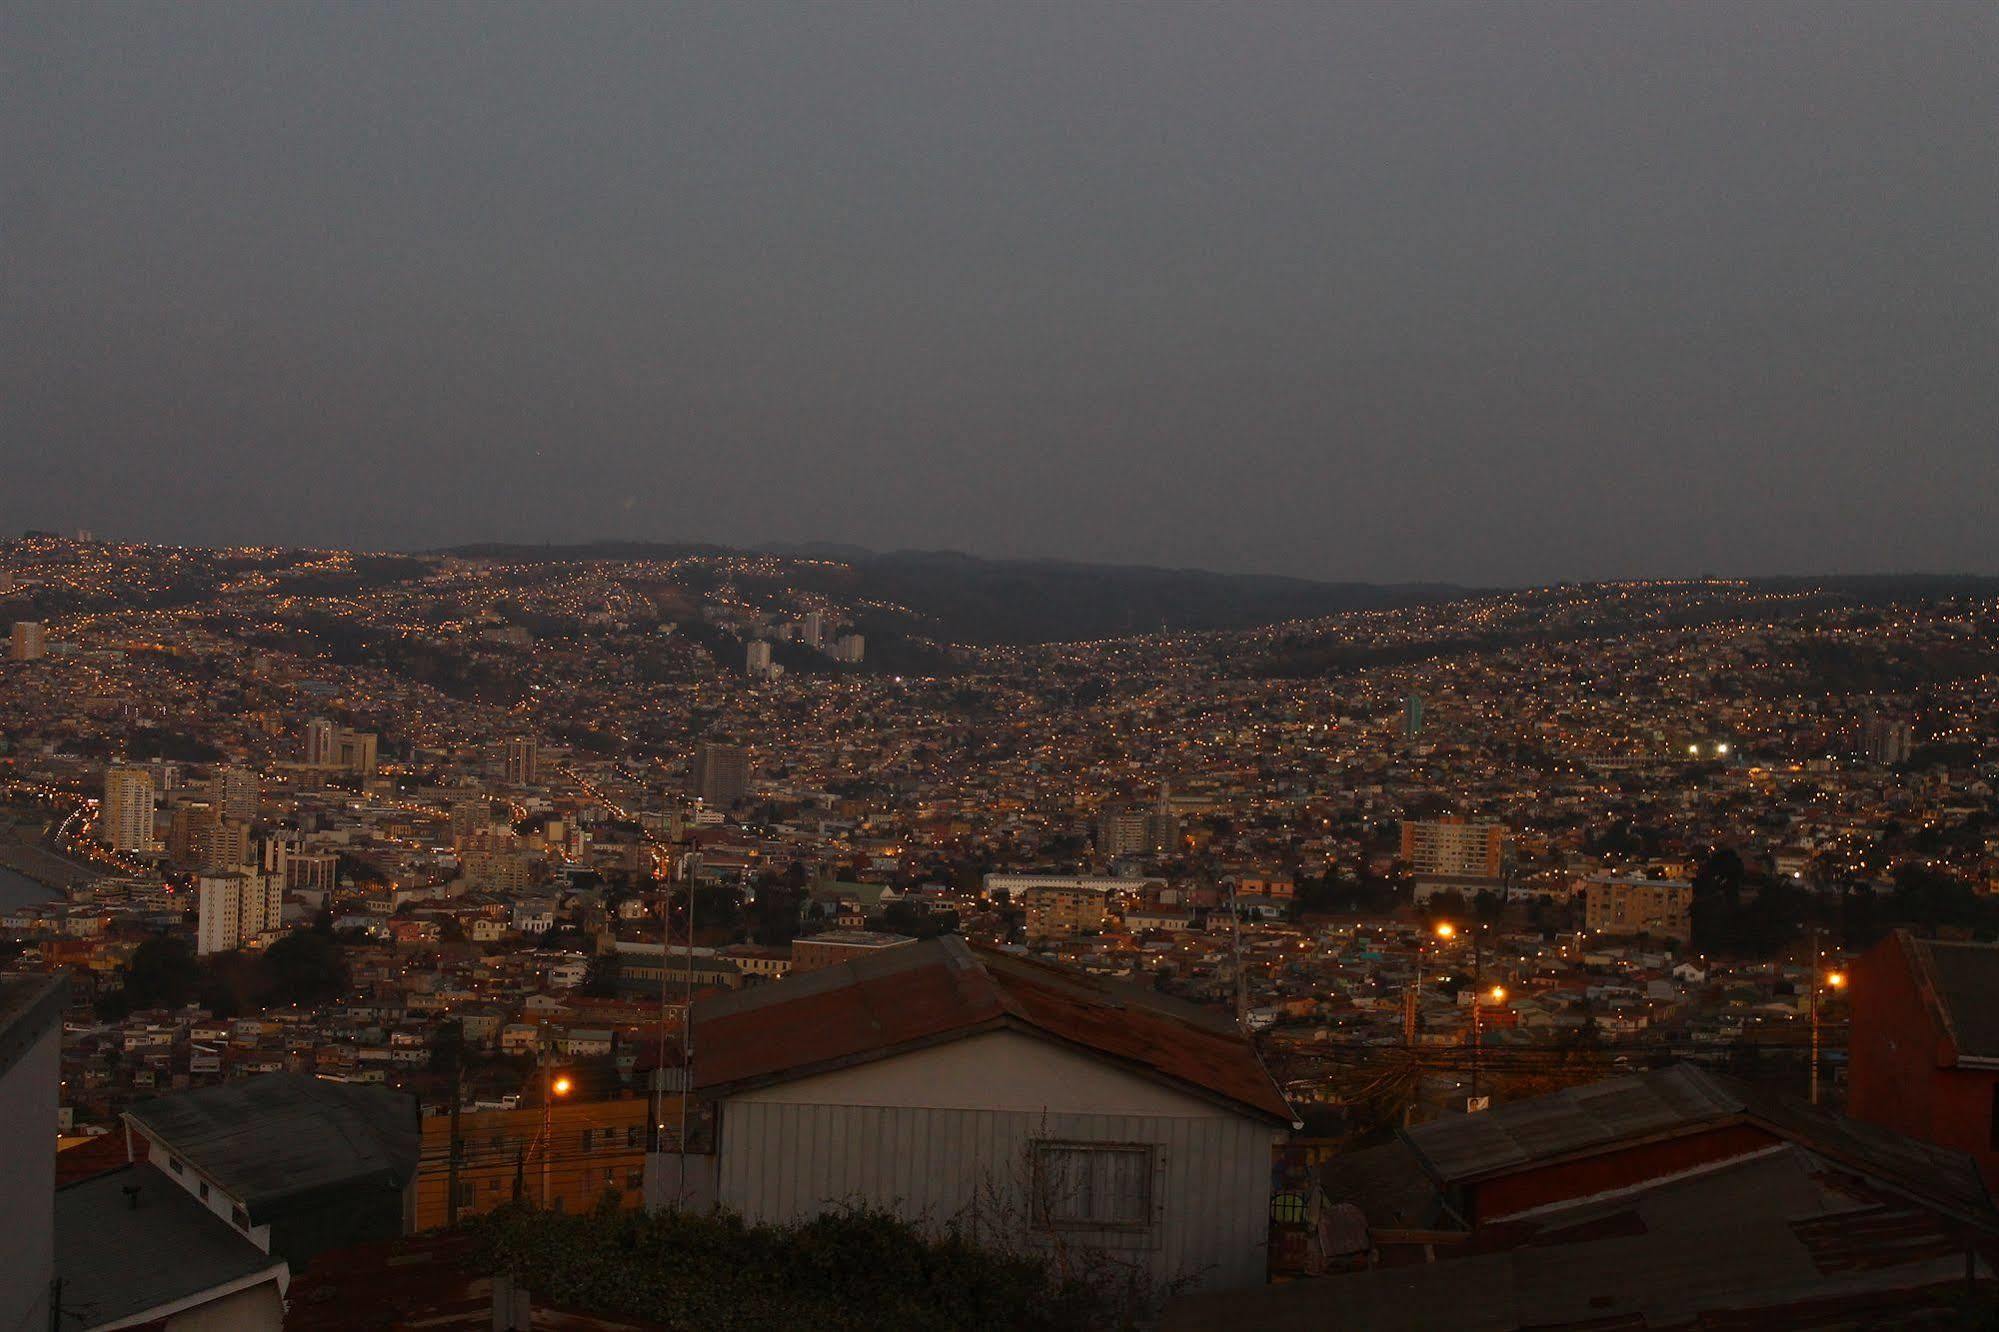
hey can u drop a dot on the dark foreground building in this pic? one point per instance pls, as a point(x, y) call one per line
point(1924, 1050)
point(1671, 1199)
point(294, 1163)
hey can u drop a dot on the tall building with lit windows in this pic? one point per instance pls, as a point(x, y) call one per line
point(233, 792)
point(523, 761)
point(721, 773)
point(30, 642)
point(129, 801)
point(237, 906)
point(1454, 846)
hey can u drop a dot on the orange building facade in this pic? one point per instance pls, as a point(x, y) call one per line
point(592, 1148)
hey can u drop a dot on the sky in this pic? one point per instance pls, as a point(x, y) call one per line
point(1392, 290)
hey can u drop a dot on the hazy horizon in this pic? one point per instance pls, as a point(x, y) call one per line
point(813, 548)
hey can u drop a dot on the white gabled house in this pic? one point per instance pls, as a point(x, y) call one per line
point(1025, 1102)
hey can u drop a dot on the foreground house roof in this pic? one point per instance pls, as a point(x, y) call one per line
point(1404, 1184)
point(1772, 1241)
point(1806, 1219)
point(278, 1141)
point(922, 994)
point(133, 1246)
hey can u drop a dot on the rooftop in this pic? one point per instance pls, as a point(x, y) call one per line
point(272, 1142)
point(1618, 1112)
point(899, 999)
point(122, 1253)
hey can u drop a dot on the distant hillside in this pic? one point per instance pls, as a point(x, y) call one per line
point(967, 599)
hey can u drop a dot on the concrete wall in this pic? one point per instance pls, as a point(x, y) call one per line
point(28, 1094)
point(944, 1136)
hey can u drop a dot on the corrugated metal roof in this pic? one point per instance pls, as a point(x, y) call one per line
point(273, 1139)
point(940, 989)
point(1565, 1123)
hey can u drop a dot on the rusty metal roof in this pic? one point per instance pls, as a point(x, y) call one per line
point(941, 989)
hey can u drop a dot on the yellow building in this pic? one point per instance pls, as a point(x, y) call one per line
point(1616, 904)
point(592, 1148)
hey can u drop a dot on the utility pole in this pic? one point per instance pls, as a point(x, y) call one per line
point(547, 1123)
point(457, 1142)
point(1812, 960)
point(1833, 980)
point(457, 1145)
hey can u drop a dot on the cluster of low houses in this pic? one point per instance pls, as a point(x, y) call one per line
point(1117, 1121)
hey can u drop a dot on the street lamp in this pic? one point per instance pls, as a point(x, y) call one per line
point(1414, 998)
point(552, 1087)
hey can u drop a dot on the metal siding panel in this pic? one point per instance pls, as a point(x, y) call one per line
point(820, 1187)
point(787, 1161)
point(784, 1162)
point(906, 1169)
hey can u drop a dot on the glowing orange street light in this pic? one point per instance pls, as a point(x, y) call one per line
point(1446, 930)
point(561, 1086)
point(1836, 979)
point(1499, 994)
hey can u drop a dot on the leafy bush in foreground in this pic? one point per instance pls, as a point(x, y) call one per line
point(855, 1269)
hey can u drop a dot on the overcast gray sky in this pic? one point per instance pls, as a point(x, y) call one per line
point(1391, 290)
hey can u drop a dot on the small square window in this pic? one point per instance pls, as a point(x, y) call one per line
point(1093, 1186)
point(204, 1190)
point(178, 1168)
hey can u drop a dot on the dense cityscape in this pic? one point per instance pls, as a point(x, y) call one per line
point(482, 831)
point(900, 666)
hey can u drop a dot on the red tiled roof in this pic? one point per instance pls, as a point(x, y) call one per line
point(941, 989)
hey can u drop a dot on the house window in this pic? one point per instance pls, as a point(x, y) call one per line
point(1087, 1185)
point(204, 1190)
point(178, 1168)
point(240, 1217)
point(467, 1192)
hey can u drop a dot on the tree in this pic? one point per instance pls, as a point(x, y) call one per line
point(163, 973)
point(306, 968)
point(234, 982)
point(600, 978)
